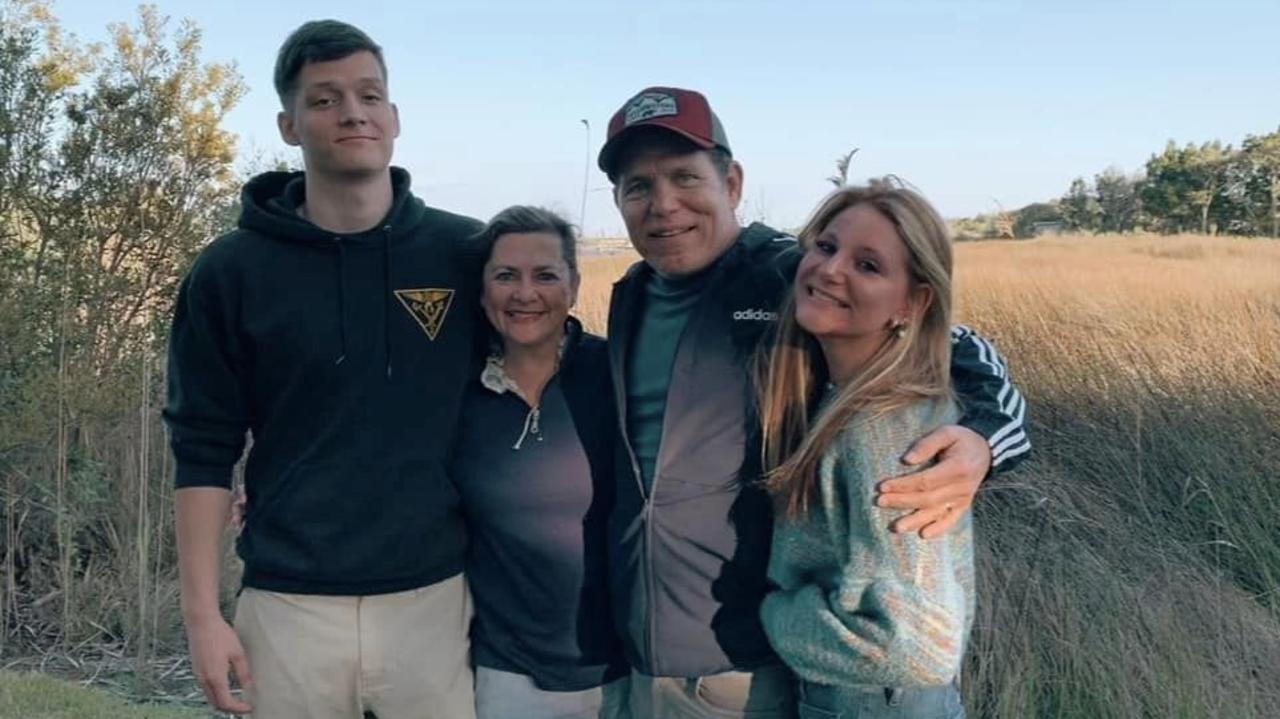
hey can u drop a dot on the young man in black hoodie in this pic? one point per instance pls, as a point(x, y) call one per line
point(336, 326)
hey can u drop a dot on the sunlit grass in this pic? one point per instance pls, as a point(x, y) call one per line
point(1133, 569)
point(33, 696)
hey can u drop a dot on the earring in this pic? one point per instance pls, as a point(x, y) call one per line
point(899, 328)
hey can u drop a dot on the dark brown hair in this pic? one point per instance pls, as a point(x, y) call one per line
point(319, 41)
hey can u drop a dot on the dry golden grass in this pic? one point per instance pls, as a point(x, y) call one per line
point(1162, 288)
point(1133, 567)
point(1189, 310)
point(1180, 311)
point(599, 272)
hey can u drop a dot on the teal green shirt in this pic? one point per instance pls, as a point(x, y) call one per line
point(668, 303)
point(855, 604)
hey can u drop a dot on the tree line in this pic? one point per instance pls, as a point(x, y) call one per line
point(1209, 188)
point(115, 170)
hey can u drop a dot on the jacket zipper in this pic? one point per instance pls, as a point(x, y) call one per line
point(647, 511)
point(646, 542)
point(695, 314)
point(651, 634)
point(651, 581)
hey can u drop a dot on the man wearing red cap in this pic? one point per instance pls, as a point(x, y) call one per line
point(691, 528)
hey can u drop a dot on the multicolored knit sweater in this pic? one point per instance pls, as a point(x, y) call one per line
point(855, 604)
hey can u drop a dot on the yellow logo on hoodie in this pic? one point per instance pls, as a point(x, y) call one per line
point(428, 306)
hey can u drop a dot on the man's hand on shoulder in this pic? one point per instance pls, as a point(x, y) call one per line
point(215, 651)
point(942, 493)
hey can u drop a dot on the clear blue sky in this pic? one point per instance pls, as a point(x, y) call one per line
point(973, 102)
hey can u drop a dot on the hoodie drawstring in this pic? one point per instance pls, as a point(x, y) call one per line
point(386, 302)
point(386, 299)
point(530, 426)
point(342, 300)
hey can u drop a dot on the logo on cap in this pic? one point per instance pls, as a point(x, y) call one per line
point(649, 105)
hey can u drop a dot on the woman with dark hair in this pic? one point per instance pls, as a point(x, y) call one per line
point(874, 624)
point(533, 465)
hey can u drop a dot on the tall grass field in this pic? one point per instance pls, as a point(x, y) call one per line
point(1132, 567)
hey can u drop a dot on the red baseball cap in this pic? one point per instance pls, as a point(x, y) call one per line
point(684, 112)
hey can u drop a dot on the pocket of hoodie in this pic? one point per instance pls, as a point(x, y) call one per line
point(284, 531)
point(329, 519)
point(424, 501)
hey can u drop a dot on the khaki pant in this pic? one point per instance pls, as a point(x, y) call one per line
point(398, 656)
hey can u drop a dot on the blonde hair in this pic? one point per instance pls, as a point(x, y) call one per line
point(911, 364)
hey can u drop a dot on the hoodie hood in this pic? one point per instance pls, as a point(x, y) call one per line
point(269, 205)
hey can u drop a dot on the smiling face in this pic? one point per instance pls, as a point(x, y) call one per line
point(528, 290)
point(854, 285)
point(341, 118)
point(678, 210)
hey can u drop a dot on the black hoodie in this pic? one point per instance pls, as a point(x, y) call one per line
point(345, 357)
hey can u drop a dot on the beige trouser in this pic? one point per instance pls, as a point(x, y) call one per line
point(397, 656)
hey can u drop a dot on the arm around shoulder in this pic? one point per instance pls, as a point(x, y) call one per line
point(993, 405)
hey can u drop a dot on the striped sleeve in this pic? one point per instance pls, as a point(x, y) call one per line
point(993, 406)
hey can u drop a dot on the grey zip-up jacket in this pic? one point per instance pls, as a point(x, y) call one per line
point(688, 557)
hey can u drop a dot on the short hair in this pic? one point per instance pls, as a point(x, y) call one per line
point(641, 139)
point(524, 218)
point(319, 41)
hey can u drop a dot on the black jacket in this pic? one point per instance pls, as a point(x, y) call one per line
point(537, 502)
point(345, 357)
point(688, 559)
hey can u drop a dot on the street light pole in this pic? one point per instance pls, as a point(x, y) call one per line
point(586, 171)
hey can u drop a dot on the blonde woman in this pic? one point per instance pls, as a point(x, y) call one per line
point(873, 623)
